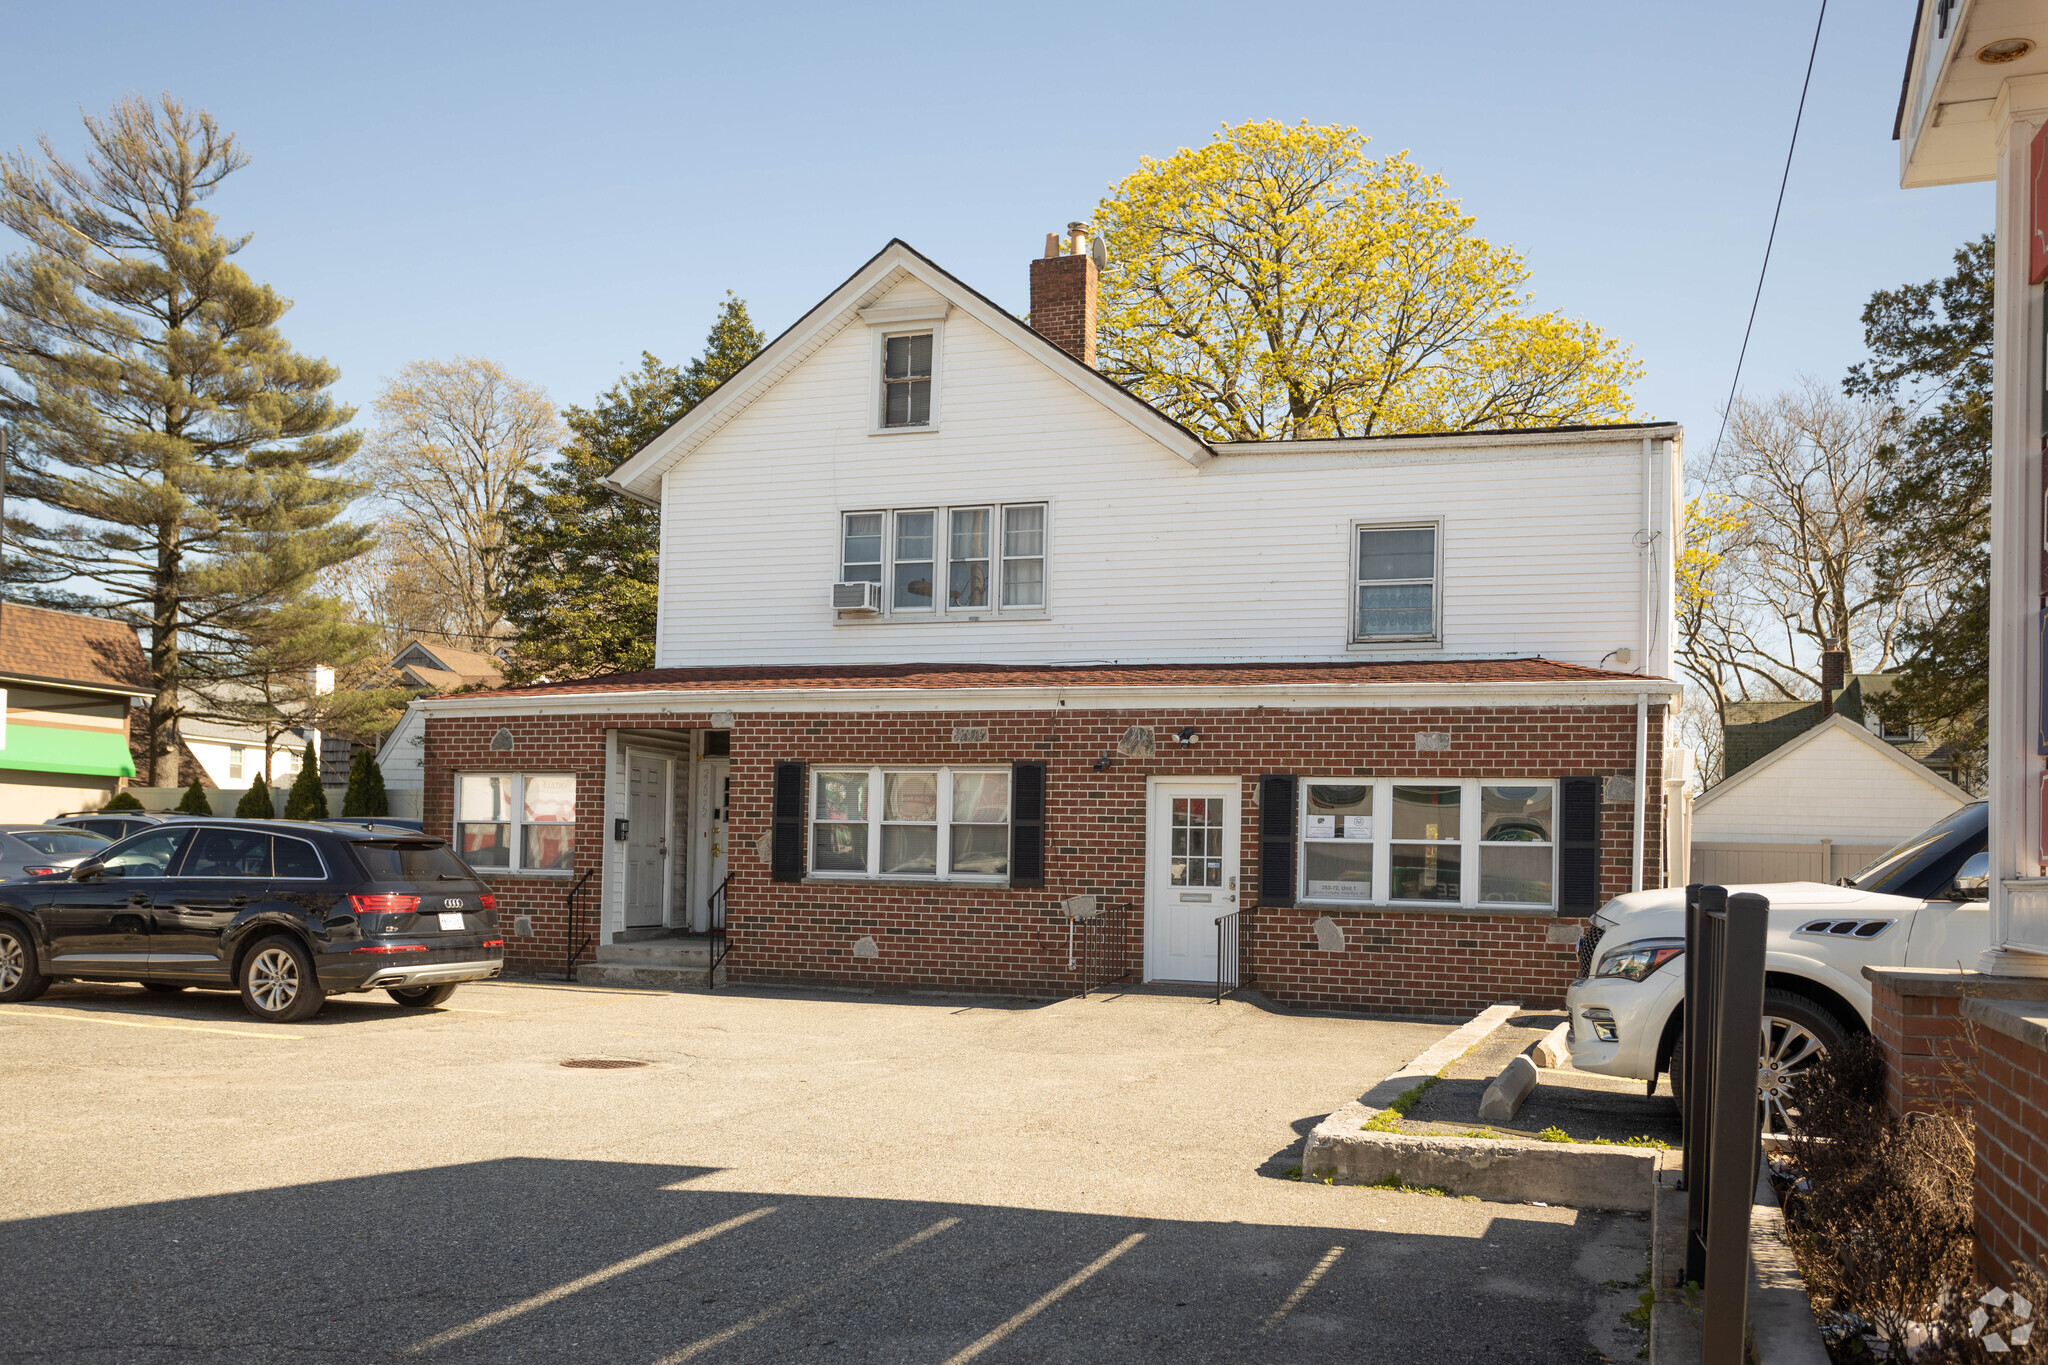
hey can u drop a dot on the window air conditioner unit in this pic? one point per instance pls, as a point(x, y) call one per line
point(857, 599)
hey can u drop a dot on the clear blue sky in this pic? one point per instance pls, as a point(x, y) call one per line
point(559, 187)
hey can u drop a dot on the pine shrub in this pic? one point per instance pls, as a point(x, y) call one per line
point(365, 794)
point(306, 801)
point(256, 803)
point(123, 800)
point(194, 801)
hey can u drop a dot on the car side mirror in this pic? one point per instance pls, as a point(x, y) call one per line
point(1973, 879)
point(85, 872)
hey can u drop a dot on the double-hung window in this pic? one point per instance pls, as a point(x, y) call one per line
point(958, 561)
point(907, 380)
point(516, 822)
point(1418, 841)
point(1396, 576)
point(941, 824)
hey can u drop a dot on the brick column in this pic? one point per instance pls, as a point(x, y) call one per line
point(2012, 1134)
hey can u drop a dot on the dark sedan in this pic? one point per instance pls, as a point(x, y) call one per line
point(288, 913)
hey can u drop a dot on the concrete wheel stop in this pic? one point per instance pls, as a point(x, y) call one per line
point(1359, 1144)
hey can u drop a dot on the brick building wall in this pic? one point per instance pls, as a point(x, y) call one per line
point(992, 938)
point(2012, 1135)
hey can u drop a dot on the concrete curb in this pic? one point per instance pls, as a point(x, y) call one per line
point(1576, 1174)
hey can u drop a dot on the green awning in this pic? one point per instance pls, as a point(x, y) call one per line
point(46, 749)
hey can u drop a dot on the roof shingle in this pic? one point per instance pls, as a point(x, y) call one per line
point(40, 645)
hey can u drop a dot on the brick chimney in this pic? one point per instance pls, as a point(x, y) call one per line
point(1063, 294)
point(1834, 668)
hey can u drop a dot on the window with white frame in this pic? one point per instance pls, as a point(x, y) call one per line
point(907, 380)
point(516, 822)
point(1396, 578)
point(990, 559)
point(942, 824)
point(1395, 841)
point(235, 755)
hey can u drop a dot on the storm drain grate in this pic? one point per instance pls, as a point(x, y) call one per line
point(601, 1063)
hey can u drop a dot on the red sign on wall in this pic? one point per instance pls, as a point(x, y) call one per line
point(2037, 205)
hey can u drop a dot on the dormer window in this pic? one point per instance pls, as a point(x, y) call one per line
point(907, 380)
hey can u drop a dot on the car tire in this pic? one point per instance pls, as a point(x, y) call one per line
point(421, 997)
point(1796, 1034)
point(278, 985)
point(20, 976)
point(162, 987)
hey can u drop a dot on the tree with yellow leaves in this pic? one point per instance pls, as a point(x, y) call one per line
point(1278, 283)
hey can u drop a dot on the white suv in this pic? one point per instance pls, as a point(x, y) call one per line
point(1921, 905)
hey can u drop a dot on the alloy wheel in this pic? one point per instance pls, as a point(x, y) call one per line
point(274, 980)
point(13, 962)
point(1788, 1048)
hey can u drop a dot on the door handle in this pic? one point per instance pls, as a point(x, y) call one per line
point(237, 902)
point(138, 899)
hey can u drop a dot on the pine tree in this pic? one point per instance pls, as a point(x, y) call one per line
point(581, 557)
point(194, 801)
point(256, 803)
point(185, 459)
point(365, 794)
point(1930, 348)
point(123, 800)
point(306, 801)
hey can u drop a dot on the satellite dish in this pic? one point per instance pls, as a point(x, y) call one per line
point(1098, 247)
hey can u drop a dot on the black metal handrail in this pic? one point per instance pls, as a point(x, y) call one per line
point(715, 931)
point(1099, 946)
point(1724, 1008)
point(1229, 960)
point(573, 904)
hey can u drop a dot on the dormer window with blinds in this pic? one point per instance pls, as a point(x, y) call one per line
point(1396, 575)
point(907, 380)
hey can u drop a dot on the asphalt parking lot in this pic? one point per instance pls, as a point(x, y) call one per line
point(788, 1176)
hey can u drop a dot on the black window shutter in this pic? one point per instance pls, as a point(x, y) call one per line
point(788, 856)
point(1276, 839)
point(1027, 824)
point(1578, 845)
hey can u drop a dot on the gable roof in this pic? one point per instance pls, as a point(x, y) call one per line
point(62, 647)
point(442, 669)
point(640, 476)
point(1832, 724)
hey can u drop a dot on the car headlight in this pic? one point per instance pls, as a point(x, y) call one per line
point(1637, 960)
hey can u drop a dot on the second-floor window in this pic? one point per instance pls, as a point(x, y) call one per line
point(1395, 592)
point(939, 560)
point(907, 380)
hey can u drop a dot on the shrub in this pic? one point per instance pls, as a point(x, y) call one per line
point(256, 803)
point(365, 794)
point(123, 800)
point(2012, 1320)
point(194, 801)
point(306, 801)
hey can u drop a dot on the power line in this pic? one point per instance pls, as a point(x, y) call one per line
point(1770, 241)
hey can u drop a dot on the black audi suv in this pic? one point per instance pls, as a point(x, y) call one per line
point(287, 913)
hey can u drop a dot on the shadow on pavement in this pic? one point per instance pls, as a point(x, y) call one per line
point(554, 1261)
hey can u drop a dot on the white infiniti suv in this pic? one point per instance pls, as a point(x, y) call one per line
point(1921, 905)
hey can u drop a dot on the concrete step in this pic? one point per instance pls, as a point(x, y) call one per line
point(658, 953)
point(656, 978)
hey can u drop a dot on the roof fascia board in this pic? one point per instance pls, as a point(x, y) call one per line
point(1862, 736)
point(68, 684)
point(1622, 439)
point(1297, 696)
point(842, 307)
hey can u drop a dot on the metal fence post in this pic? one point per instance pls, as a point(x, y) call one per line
point(1705, 908)
point(1733, 1144)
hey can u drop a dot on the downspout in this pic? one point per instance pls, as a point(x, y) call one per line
point(1635, 871)
point(1649, 543)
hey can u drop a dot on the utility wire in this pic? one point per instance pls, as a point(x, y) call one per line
point(1743, 354)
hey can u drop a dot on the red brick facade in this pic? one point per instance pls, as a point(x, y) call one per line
point(1930, 1063)
point(2012, 1153)
point(993, 938)
point(1063, 304)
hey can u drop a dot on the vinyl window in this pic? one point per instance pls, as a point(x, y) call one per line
point(907, 380)
point(234, 762)
point(516, 822)
point(941, 561)
point(1396, 581)
point(1418, 841)
point(938, 824)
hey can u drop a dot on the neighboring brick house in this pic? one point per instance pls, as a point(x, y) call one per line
point(953, 630)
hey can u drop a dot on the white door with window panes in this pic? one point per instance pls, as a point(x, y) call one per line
point(714, 791)
point(1191, 875)
point(647, 800)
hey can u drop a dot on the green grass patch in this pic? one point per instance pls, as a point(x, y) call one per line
point(1655, 1144)
point(1553, 1134)
point(1482, 1133)
point(1384, 1121)
point(1393, 1182)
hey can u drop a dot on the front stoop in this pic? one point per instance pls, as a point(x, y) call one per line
point(662, 964)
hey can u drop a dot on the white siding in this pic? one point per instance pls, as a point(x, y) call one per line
point(1150, 559)
point(1835, 787)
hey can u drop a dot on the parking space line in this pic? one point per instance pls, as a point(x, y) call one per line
point(97, 1017)
point(563, 1291)
point(1045, 1301)
point(803, 1296)
point(1321, 1269)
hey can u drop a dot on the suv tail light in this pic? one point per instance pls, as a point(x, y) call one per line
point(487, 901)
point(39, 871)
point(386, 904)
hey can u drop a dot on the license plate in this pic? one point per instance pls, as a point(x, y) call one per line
point(451, 921)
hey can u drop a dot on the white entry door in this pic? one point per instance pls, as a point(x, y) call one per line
point(1191, 876)
point(714, 783)
point(647, 798)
